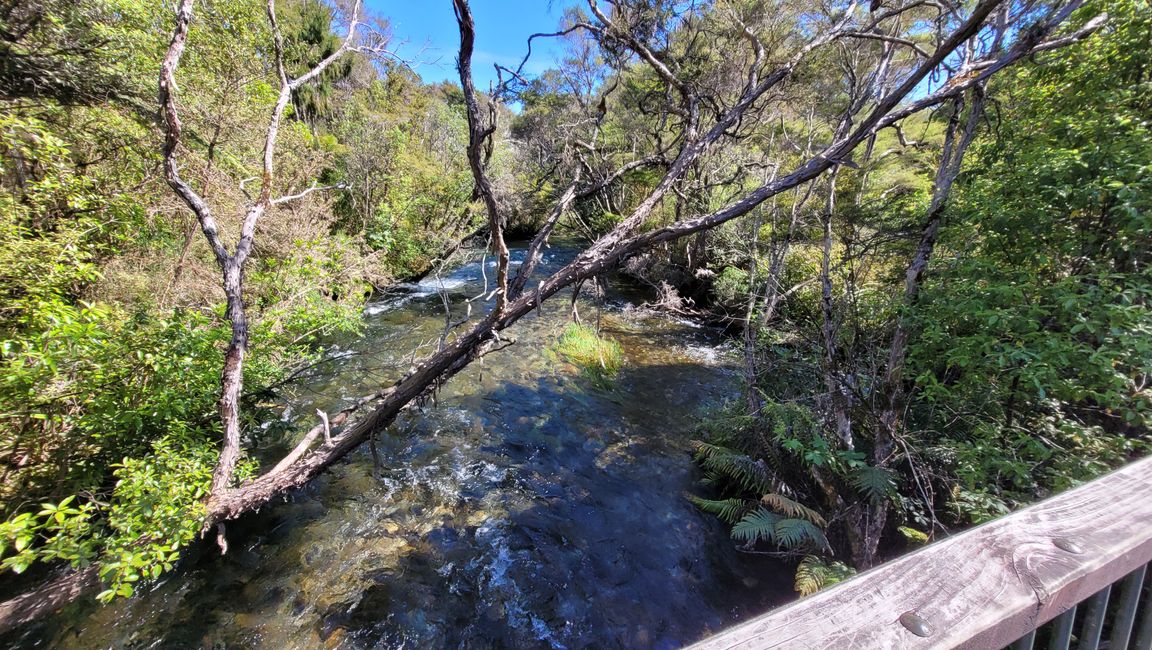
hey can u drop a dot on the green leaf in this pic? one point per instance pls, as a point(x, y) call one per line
point(874, 482)
point(795, 533)
point(729, 511)
point(759, 525)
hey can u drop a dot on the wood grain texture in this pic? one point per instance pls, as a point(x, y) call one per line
point(983, 588)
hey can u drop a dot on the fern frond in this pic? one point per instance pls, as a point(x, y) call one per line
point(815, 574)
point(874, 482)
point(729, 511)
point(749, 474)
point(811, 576)
point(790, 508)
point(796, 533)
point(757, 525)
point(764, 525)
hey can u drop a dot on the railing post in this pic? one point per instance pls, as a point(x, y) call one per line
point(1062, 630)
point(1144, 633)
point(1094, 619)
point(1025, 642)
point(1129, 602)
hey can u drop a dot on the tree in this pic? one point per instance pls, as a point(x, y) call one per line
point(54, 50)
point(1031, 335)
point(232, 262)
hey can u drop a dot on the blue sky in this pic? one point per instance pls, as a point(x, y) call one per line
point(502, 31)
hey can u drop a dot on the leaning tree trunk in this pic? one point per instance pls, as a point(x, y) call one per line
point(869, 519)
point(956, 142)
point(232, 377)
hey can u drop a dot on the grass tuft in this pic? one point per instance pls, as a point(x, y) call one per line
point(597, 357)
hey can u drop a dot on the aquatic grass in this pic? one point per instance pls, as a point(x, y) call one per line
point(598, 358)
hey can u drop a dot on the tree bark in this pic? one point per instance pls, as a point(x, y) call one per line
point(48, 598)
point(480, 146)
point(837, 398)
point(232, 377)
point(956, 142)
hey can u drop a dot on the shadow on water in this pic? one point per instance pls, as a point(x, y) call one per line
point(527, 509)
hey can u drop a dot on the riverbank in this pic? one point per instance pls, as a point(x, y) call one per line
point(526, 508)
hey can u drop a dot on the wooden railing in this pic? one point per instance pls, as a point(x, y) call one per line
point(1068, 569)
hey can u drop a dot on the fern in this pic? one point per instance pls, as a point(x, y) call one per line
point(789, 534)
point(790, 508)
point(729, 511)
point(815, 574)
point(874, 482)
point(749, 474)
point(776, 519)
point(757, 525)
point(796, 533)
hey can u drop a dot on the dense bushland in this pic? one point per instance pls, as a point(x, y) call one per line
point(1027, 344)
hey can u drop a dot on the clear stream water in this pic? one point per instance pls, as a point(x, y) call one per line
point(524, 509)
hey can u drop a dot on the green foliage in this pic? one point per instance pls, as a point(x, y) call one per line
point(776, 492)
point(71, 52)
point(1037, 330)
point(874, 482)
point(763, 525)
point(730, 511)
point(109, 356)
point(61, 531)
point(789, 508)
point(731, 286)
point(597, 357)
point(156, 510)
point(913, 536)
point(814, 574)
point(153, 511)
point(308, 39)
point(111, 330)
point(1030, 337)
point(96, 393)
point(977, 506)
point(411, 196)
point(756, 512)
point(733, 467)
point(796, 533)
point(758, 525)
point(54, 223)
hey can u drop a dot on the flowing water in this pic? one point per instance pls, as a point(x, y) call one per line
point(526, 508)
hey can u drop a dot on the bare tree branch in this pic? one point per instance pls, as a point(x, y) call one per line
point(299, 195)
point(232, 263)
point(478, 133)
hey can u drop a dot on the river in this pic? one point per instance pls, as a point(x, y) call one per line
point(526, 508)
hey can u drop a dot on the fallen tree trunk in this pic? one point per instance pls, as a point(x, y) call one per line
point(600, 257)
point(47, 598)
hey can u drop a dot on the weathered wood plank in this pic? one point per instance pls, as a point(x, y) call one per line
point(983, 588)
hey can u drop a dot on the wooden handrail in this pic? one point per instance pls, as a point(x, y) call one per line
point(983, 588)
